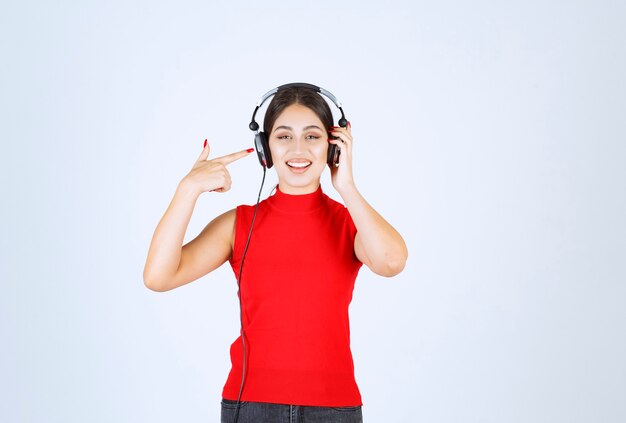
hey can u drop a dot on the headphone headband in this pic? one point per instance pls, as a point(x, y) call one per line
point(255, 126)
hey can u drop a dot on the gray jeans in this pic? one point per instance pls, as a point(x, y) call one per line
point(264, 412)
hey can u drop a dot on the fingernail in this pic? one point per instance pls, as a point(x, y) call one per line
point(250, 150)
point(205, 143)
point(349, 123)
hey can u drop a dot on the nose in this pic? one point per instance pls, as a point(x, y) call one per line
point(298, 145)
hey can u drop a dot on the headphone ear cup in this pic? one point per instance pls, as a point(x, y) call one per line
point(263, 150)
point(333, 155)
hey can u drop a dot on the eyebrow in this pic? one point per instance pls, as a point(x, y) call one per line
point(291, 129)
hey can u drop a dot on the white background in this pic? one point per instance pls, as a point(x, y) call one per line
point(490, 134)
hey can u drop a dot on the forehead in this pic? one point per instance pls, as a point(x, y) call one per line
point(298, 115)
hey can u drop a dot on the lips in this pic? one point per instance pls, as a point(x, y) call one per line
point(298, 164)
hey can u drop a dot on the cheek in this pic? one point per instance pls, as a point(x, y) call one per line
point(321, 149)
point(275, 149)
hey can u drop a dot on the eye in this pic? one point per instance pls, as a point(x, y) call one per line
point(283, 137)
point(313, 137)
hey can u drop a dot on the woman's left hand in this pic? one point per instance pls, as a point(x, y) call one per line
point(341, 176)
point(376, 244)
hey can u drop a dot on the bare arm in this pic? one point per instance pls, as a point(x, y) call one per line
point(377, 244)
point(170, 264)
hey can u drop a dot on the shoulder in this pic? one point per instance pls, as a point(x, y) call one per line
point(333, 204)
point(248, 209)
point(340, 214)
point(225, 222)
point(244, 213)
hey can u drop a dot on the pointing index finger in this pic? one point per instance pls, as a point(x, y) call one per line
point(229, 158)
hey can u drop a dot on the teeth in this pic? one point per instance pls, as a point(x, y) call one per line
point(298, 164)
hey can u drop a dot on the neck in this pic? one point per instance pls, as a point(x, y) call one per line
point(297, 203)
point(291, 190)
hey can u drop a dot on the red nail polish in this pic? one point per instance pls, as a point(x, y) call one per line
point(205, 143)
point(250, 150)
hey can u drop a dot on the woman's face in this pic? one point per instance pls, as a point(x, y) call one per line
point(299, 147)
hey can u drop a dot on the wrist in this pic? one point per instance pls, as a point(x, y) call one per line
point(347, 189)
point(186, 189)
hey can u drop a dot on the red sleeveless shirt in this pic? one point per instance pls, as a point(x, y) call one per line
point(298, 278)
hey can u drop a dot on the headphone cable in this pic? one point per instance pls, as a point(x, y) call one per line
point(245, 250)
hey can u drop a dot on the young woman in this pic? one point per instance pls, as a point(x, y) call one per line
point(300, 266)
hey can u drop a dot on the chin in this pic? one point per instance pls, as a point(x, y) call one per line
point(309, 179)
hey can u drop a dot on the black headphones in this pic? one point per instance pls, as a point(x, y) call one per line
point(261, 141)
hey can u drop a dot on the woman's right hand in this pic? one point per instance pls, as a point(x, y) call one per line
point(212, 175)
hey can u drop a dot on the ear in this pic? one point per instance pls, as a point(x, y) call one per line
point(263, 150)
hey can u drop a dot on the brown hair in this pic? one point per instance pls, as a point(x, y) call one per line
point(296, 95)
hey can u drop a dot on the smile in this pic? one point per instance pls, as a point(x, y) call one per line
point(298, 164)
